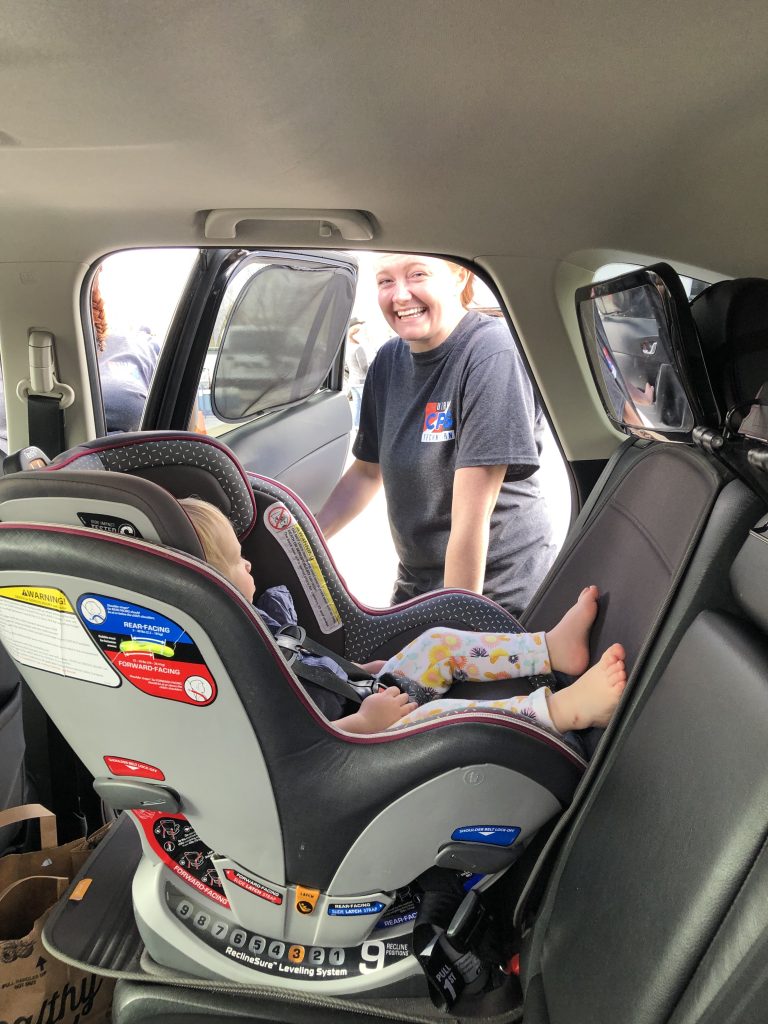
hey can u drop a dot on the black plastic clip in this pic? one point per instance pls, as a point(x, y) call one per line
point(707, 439)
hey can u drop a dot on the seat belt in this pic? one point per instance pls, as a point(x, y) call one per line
point(45, 423)
point(46, 397)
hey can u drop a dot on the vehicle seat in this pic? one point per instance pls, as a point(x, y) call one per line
point(259, 820)
point(665, 861)
point(637, 531)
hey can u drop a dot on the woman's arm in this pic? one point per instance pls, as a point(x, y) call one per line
point(475, 491)
point(352, 493)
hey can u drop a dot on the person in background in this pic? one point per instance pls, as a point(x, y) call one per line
point(126, 366)
point(451, 427)
point(356, 365)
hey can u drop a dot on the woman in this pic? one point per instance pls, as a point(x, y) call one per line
point(451, 427)
point(126, 366)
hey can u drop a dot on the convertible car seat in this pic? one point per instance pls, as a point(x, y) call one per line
point(666, 855)
point(280, 538)
point(274, 848)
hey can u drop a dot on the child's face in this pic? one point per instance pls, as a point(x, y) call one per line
point(238, 569)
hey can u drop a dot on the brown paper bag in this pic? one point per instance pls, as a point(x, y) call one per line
point(35, 987)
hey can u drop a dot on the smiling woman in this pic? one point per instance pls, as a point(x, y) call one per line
point(451, 427)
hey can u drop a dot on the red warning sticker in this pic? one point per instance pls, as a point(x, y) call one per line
point(136, 769)
point(181, 849)
point(254, 886)
point(151, 651)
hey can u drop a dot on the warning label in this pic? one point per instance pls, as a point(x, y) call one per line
point(282, 524)
point(39, 628)
point(266, 892)
point(152, 652)
point(182, 850)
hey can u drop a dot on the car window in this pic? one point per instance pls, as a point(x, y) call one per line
point(134, 295)
point(277, 332)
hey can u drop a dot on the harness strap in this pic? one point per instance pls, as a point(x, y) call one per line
point(293, 636)
point(292, 639)
point(327, 679)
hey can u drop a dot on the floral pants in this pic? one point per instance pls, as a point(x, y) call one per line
point(440, 657)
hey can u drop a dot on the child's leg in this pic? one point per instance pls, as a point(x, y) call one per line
point(591, 700)
point(533, 708)
point(440, 656)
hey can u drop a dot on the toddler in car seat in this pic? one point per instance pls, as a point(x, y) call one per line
point(441, 656)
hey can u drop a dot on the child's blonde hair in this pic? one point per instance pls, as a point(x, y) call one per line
point(207, 522)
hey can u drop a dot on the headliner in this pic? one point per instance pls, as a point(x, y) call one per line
point(472, 129)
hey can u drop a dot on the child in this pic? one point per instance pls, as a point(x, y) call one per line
point(440, 656)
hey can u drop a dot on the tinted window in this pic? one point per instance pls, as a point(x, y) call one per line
point(284, 329)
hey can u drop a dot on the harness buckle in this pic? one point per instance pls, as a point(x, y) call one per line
point(290, 639)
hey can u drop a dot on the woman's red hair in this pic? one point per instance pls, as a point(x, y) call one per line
point(98, 313)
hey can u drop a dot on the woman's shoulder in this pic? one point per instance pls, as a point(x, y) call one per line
point(389, 353)
point(488, 335)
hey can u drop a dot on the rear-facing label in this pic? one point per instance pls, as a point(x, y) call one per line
point(39, 628)
point(401, 911)
point(355, 909)
point(152, 652)
point(282, 524)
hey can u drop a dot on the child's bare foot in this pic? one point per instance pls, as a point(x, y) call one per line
point(592, 699)
point(568, 642)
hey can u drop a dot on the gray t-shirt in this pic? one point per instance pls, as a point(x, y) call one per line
point(468, 402)
point(357, 364)
point(126, 366)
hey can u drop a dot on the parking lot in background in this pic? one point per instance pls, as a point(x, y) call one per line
point(363, 550)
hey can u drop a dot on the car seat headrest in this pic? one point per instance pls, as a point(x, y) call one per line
point(645, 355)
point(115, 503)
point(732, 321)
point(185, 464)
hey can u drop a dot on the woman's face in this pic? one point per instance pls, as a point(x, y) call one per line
point(420, 297)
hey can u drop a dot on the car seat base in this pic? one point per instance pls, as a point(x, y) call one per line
point(99, 933)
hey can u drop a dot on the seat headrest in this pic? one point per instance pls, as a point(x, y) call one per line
point(185, 464)
point(644, 354)
point(732, 321)
point(115, 503)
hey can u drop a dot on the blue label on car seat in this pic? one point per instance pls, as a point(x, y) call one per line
point(493, 835)
point(354, 909)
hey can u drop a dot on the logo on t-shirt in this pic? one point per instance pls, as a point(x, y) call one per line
point(438, 422)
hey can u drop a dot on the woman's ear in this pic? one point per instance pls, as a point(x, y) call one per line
point(461, 275)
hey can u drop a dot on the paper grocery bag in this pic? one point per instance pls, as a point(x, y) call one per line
point(36, 987)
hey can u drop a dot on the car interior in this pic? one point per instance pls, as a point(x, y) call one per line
point(602, 170)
